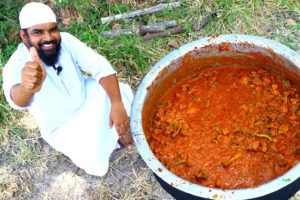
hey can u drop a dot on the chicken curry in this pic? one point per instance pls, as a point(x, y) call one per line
point(228, 127)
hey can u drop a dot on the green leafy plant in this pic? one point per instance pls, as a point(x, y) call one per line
point(8, 40)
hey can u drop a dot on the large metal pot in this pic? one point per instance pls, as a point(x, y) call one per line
point(161, 77)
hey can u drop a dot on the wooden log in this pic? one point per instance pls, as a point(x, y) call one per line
point(151, 28)
point(158, 27)
point(144, 11)
point(202, 22)
point(171, 31)
point(115, 33)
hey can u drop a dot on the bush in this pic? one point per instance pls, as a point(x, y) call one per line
point(9, 11)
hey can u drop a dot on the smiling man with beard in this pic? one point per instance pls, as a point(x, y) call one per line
point(49, 57)
point(82, 117)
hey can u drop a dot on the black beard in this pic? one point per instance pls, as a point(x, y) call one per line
point(52, 58)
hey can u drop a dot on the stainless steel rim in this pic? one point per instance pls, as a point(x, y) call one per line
point(156, 166)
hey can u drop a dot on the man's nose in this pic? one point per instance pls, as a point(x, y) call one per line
point(48, 36)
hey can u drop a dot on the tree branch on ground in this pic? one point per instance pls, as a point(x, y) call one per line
point(144, 11)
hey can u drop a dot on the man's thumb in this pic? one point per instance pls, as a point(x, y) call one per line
point(34, 55)
point(36, 59)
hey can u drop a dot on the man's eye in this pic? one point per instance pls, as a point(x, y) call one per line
point(54, 30)
point(36, 32)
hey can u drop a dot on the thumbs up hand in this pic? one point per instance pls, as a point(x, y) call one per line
point(33, 73)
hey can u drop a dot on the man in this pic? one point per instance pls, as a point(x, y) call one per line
point(82, 117)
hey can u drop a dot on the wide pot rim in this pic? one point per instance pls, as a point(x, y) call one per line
point(156, 166)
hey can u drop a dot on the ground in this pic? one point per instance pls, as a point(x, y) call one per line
point(54, 176)
point(31, 169)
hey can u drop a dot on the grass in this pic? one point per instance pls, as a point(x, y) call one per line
point(25, 160)
point(8, 28)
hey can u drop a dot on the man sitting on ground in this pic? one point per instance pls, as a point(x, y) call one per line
point(82, 117)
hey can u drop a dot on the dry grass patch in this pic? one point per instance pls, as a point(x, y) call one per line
point(31, 169)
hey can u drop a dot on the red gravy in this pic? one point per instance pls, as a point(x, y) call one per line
point(228, 127)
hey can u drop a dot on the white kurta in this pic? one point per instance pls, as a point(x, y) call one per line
point(71, 110)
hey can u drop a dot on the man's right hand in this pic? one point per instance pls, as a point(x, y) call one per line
point(33, 73)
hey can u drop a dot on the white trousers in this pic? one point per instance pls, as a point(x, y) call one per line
point(86, 139)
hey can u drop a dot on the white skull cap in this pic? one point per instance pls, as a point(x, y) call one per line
point(35, 13)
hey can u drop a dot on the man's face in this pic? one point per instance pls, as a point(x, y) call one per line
point(46, 39)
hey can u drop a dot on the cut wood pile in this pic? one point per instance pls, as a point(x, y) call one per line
point(155, 30)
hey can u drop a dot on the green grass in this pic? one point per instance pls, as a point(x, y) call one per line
point(130, 55)
point(8, 26)
point(288, 40)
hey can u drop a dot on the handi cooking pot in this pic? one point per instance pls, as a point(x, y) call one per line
point(191, 58)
